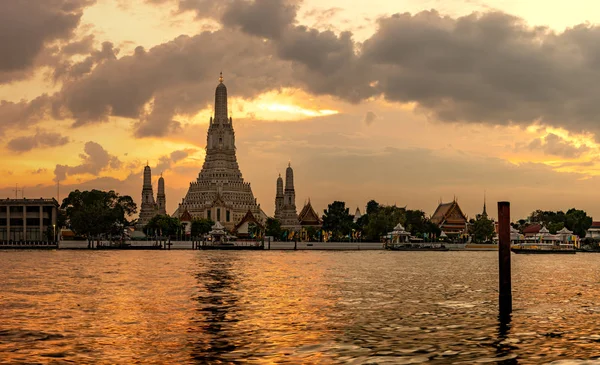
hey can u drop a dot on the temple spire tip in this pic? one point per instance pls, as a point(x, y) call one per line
point(221, 77)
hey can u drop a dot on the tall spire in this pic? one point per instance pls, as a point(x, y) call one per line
point(161, 198)
point(484, 210)
point(221, 102)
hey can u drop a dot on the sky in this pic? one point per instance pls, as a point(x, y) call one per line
point(406, 102)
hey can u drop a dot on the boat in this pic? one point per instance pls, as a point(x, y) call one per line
point(128, 246)
point(543, 247)
point(225, 246)
point(543, 242)
point(417, 247)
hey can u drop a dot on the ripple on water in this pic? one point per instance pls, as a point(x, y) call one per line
point(189, 307)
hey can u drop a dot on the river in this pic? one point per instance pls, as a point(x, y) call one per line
point(294, 307)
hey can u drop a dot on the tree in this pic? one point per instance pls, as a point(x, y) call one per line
point(93, 213)
point(482, 229)
point(338, 220)
point(575, 220)
point(372, 207)
point(201, 226)
point(383, 220)
point(578, 221)
point(273, 228)
point(163, 225)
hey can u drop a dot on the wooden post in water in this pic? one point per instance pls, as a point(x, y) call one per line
point(269, 242)
point(505, 291)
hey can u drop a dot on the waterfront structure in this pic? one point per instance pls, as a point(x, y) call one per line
point(161, 198)
point(450, 219)
point(308, 217)
point(220, 193)
point(186, 222)
point(533, 230)
point(148, 207)
point(593, 231)
point(28, 220)
point(249, 227)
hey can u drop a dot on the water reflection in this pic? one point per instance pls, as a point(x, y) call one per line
point(362, 307)
point(504, 345)
point(216, 307)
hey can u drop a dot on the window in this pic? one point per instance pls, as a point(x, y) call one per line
point(228, 216)
point(218, 214)
point(208, 214)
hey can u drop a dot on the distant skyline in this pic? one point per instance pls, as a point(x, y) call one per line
point(403, 102)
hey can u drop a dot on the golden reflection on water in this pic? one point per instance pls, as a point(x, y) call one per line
point(190, 307)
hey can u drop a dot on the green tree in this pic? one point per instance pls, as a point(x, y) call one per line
point(338, 220)
point(383, 220)
point(555, 227)
point(578, 221)
point(201, 226)
point(482, 229)
point(163, 225)
point(273, 228)
point(575, 220)
point(96, 212)
point(372, 207)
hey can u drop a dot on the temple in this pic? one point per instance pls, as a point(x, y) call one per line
point(308, 217)
point(161, 198)
point(148, 207)
point(220, 193)
point(450, 219)
point(285, 201)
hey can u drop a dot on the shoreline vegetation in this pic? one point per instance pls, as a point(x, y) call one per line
point(106, 216)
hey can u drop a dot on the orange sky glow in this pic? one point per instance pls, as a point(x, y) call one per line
point(399, 145)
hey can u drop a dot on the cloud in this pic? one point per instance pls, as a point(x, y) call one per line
point(554, 145)
point(69, 70)
point(370, 117)
point(166, 162)
point(27, 27)
point(40, 139)
point(23, 113)
point(177, 77)
point(82, 46)
point(488, 67)
point(250, 16)
point(94, 160)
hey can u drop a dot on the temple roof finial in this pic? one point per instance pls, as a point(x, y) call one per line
point(289, 163)
point(221, 77)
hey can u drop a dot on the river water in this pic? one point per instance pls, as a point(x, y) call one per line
point(358, 307)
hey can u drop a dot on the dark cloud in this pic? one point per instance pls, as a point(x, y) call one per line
point(94, 160)
point(556, 146)
point(251, 16)
point(28, 26)
point(370, 117)
point(68, 70)
point(177, 77)
point(82, 46)
point(22, 114)
point(486, 67)
point(41, 139)
point(166, 162)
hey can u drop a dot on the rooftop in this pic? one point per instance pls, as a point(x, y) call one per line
point(26, 201)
